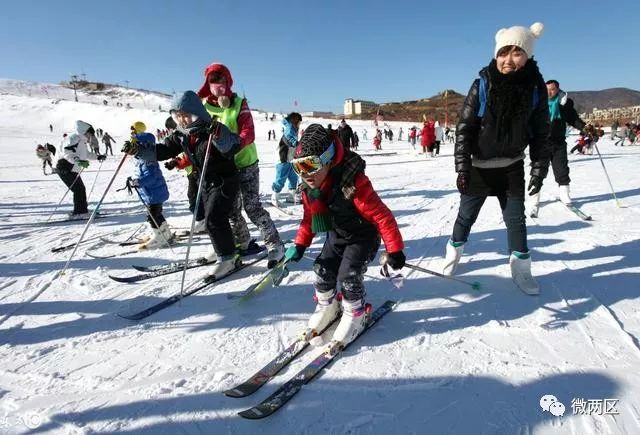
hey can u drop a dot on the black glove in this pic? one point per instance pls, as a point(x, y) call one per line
point(130, 147)
point(463, 182)
point(101, 158)
point(133, 182)
point(396, 260)
point(213, 127)
point(535, 184)
point(171, 164)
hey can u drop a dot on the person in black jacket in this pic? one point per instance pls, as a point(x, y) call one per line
point(561, 113)
point(505, 111)
point(346, 134)
point(221, 184)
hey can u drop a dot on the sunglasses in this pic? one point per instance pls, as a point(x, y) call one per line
point(310, 165)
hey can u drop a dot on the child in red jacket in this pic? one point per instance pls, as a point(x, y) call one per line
point(339, 199)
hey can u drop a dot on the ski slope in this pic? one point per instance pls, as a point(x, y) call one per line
point(449, 359)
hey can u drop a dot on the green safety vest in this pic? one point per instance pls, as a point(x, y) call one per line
point(248, 155)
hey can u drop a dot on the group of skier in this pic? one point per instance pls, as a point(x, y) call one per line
point(508, 108)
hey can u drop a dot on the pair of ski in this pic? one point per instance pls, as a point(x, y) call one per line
point(290, 388)
point(582, 215)
point(177, 266)
point(201, 284)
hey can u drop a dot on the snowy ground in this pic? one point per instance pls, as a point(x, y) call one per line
point(449, 359)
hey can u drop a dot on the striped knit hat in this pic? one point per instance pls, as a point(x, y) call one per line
point(313, 142)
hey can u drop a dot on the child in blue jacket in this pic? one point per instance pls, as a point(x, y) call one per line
point(152, 187)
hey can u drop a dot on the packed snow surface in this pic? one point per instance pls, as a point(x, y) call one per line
point(449, 359)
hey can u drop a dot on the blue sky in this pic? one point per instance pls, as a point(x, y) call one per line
point(315, 52)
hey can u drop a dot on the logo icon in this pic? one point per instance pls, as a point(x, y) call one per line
point(551, 404)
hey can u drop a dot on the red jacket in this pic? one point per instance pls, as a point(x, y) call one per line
point(368, 204)
point(428, 136)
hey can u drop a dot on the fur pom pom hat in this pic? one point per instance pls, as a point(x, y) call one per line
point(523, 37)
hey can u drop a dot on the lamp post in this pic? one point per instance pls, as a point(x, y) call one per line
point(74, 79)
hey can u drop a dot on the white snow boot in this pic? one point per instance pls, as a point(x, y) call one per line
point(564, 194)
point(327, 309)
point(167, 236)
point(153, 241)
point(535, 205)
point(225, 265)
point(520, 263)
point(275, 197)
point(355, 315)
point(200, 227)
point(295, 196)
point(275, 254)
point(211, 254)
point(452, 257)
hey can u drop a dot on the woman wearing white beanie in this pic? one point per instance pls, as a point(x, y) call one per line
point(505, 111)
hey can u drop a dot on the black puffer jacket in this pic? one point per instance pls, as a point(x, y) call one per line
point(510, 122)
point(195, 145)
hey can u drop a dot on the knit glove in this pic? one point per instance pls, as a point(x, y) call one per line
point(130, 147)
point(84, 164)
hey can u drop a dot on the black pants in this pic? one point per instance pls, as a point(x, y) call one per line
point(436, 147)
point(577, 147)
point(219, 200)
point(155, 213)
point(74, 182)
point(345, 262)
point(192, 193)
point(560, 162)
point(512, 213)
point(108, 149)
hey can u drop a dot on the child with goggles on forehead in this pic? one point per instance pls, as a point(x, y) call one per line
point(339, 199)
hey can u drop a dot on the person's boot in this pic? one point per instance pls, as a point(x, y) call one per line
point(520, 263)
point(355, 315)
point(535, 205)
point(452, 257)
point(275, 255)
point(225, 265)
point(152, 242)
point(327, 309)
point(564, 194)
point(200, 227)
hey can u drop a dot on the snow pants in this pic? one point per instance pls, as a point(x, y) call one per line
point(345, 262)
point(559, 162)
point(154, 215)
point(219, 199)
point(75, 184)
point(248, 198)
point(512, 214)
point(192, 193)
point(284, 172)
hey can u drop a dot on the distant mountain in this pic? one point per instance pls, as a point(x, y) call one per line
point(604, 99)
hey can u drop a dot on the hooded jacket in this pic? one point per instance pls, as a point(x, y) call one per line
point(242, 125)
point(193, 142)
point(74, 149)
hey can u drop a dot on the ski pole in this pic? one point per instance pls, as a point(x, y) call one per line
point(93, 215)
point(193, 218)
point(607, 175)
point(65, 194)
point(151, 216)
point(474, 285)
point(94, 180)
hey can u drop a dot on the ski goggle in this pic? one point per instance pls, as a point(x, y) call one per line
point(310, 165)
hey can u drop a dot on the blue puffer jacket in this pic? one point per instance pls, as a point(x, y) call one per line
point(153, 188)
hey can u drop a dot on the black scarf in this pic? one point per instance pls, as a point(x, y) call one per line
point(511, 95)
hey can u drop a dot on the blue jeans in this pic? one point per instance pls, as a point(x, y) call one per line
point(512, 214)
point(284, 172)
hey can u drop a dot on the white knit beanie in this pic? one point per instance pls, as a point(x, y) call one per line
point(520, 37)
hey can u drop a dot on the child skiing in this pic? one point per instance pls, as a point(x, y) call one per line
point(505, 111)
point(152, 188)
point(339, 199)
point(221, 177)
point(286, 147)
point(71, 162)
point(232, 110)
point(45, 154)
